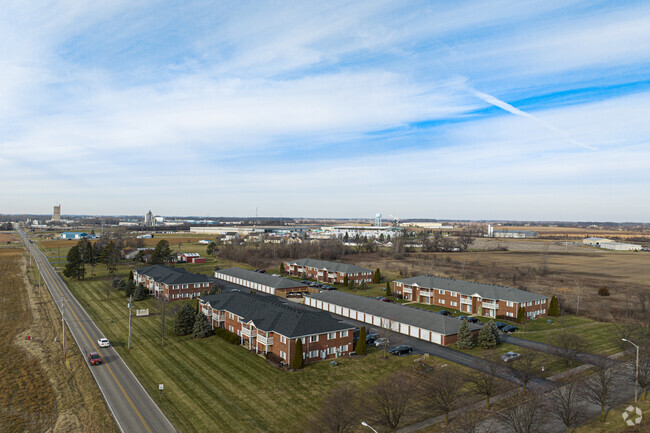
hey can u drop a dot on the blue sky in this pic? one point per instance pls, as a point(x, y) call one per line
point(466, 110)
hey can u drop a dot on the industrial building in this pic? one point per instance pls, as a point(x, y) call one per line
point(56, 215)
point(610, 244)
point(73, 235)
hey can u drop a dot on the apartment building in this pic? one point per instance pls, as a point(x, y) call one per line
point(329, 272)
point(172, 283)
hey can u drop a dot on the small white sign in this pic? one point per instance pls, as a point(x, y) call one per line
point(160, 387)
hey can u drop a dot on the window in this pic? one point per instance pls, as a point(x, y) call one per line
point(331, 335)
point(344, 348)
point(185, 286)
point(453, 303)
point(344, 333)
point(442, 301)
point(303, 340)
point(313, 339)
point(509, 303)
point(313, 354)
point(442, 292)
point(331, 350)
point(509, 314)
point(283, 339)
point(283, 355)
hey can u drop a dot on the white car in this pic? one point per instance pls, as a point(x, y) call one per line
point(510, 356)
point(103, 342)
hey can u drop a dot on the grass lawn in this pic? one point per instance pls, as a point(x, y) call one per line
point(614, 421)
point(599, 337)
point(212, 383)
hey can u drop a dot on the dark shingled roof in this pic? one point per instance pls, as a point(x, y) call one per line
point(392, 311)
point(260, 278)
point(468, 288)
point(169, 275)
point(271, 314)
point(330, 266)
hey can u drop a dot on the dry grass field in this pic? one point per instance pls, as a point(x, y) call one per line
point(36, 392)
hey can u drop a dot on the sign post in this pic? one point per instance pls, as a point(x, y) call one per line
point(160, 388)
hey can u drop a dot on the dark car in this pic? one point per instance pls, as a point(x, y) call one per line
point(401, 350)
point(472, 320)
point(462, 317)
point(329, 287)
point(380, 298)
point(312, 284)
point(371, 338)
point(94, 358)
point(386, 300)
point(304, 282)
point(444, 313)
point(500, 325)
point(509, 329)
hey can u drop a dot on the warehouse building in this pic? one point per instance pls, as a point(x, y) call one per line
point(422, 324)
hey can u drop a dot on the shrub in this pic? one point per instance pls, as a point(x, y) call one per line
point(361, 344)
point(388, 292)
point(554, 307)
point(377, 277)
point(603, 291)
point(227, 336)
point(297, 362)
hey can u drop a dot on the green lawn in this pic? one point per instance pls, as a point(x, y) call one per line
point(599, 337)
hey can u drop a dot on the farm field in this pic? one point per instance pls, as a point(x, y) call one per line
point(36, 392)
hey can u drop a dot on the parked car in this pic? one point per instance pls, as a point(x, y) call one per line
point(386, 300)
point(313, 284)
point(510, 356)
point(462, 317)
point(509, 329)
point(500, 325)
point(401, 350)
point(103, 342)
point(382, 342)
point(444, 313)
point(380, 298)
point(472, 320)
point(371, 338)
point(329, 288)
point(94, 358)
point(305, 282)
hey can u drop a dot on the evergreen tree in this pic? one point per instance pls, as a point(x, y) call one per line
point(74, 266)
point(465, 340)
point(130, 288)
point(212, 249)
point(388, 292)
point(139, 293)
point(161, 253)
point(121, 285)
point(282, 268)
point(116, 282)
point(361, 344)
point(109, 257)
point(554, 307)
point(202, 327)
point(377, 277)
point(345, 280)
point(185, 319)
point(131, 275)
point(297, 362)
point(487, 338)
point(521, 315)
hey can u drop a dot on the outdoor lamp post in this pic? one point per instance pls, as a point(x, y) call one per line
point(636, 375)
point(365, 424)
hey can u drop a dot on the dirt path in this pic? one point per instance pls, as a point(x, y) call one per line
point(79, 404)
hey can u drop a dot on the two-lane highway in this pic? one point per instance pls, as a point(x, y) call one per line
point(132, 407)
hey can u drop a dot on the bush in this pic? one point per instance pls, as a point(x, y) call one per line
point(298, 362)
point(554, 307)
point(361, 344)
point(227, 335)
point(603, 291)
point(521, 315)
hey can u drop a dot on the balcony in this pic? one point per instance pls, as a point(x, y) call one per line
point(407, 290)
point(267, 341)
point(466, 301)
point(218, 317)
point(248, 333)
point(426, 294)
point(490, 305)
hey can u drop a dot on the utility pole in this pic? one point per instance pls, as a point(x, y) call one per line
point(130, 307)
point(636, 376)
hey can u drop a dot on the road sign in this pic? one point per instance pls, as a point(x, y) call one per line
point(161, 387)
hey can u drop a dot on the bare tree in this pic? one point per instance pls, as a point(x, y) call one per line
point(162, 307)
point(644, 368)
point(473, 421)
point(567, 406)
point(643, 300)
point(485, 380)
point(580, 291)
point(569, 346)
point(625, 329)
point(339, 412)
point(392, 397)
point(525, 368)
point(523, 414)
point(598, 388)
point(443, 389)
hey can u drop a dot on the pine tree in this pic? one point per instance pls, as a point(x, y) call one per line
point(73, 267)
point(202, 327)
point(161, 253)
point(388, 291)
point(121, 285)
point(139, 293)
point(131, 275)
point(185, 319)
point(345, 280)
point(297, 362)
point(465, 340)
point(282, 268)
point(554, 307)
point(521, 315)
point(361, 344)
point(130, 288)
point(486, 336)
point(377, 278)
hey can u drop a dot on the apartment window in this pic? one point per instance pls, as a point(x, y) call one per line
point(283, 339)
point(303, 340)
point(331, 335)
point(453, 303)
point(442, 292)
point(239, 332)
point(283, 355)
point(331, 350)
point(442, 301)
point(313, 354)
point(313, 339)
point(185, 286)
point(509, 303)
point(344, 333)
point(344, 348)
point(509, 314)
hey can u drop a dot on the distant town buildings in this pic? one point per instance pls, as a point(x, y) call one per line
point(610, 244)
point(74, 235)
point(511, 234)
point(148, 219)
point(56, 215)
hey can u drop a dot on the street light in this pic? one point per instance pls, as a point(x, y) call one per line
point(636, 376)
point(365, 424)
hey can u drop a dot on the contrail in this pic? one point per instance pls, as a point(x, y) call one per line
point(517, 112)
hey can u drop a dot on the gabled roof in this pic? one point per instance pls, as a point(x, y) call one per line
point(469, 288)
point(169, 275)
point(271, 314)
point(396, 312)
point(330, 266)
point(257, 277)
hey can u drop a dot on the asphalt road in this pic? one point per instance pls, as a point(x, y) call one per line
point(131, 406)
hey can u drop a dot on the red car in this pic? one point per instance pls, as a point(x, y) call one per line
point(94, 358)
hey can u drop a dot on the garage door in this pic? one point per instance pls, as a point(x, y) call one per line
point(425, 335)
point(436, 338)
point(415, 332)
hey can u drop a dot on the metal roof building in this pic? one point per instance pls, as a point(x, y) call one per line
point(263, 282)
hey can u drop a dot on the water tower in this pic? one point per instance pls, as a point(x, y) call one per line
point(378, 220)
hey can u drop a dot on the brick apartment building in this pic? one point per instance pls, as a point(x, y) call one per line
point(328, 272)
point(472, 298)
point(274, 285)
point(267, 324)
point(172, 283)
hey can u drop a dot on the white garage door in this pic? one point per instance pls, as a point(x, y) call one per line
point(425, 335)
point(436, 338)
point(404, 329)
point(414, 332)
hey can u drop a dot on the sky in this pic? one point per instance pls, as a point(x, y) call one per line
point(485, 109)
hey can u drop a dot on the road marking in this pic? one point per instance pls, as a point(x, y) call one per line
point(56, 284)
